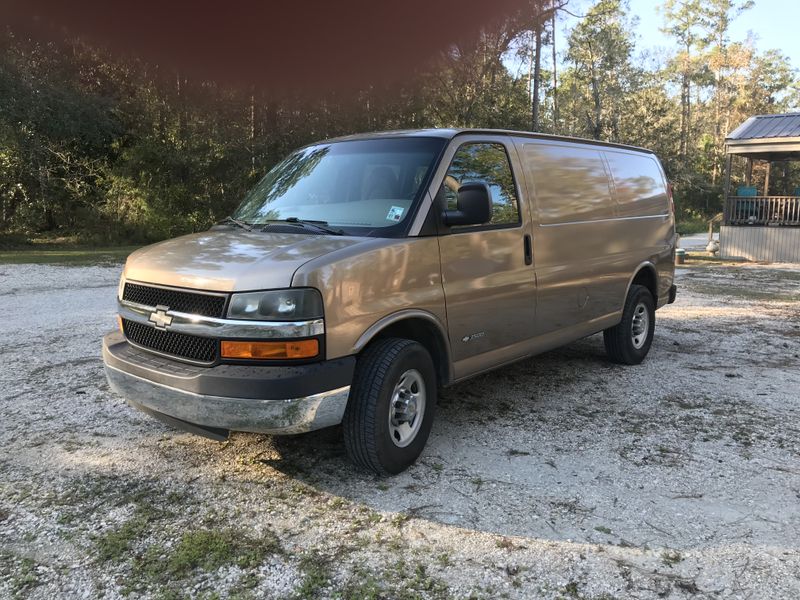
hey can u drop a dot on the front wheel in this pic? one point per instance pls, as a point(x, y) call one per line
point(391, 407)
point(629, 342)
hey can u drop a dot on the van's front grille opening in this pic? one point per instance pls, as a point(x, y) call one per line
point(207, 305)
point(180, 345)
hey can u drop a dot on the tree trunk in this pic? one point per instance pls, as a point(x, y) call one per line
point(598, 106)
point(252, 131)
point(537, 76)
point(555, 75)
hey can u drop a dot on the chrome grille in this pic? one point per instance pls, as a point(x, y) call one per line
point(208, 305)
point(181, 345)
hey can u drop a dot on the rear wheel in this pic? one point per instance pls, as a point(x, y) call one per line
point(392, 402)
point(629, 342)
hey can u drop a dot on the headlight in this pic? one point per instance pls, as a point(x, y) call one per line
point(278, 305)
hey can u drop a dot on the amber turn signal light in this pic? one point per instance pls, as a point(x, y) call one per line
point(270, 350)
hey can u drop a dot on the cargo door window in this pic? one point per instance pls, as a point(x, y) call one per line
point(641, 190)
point(571, 183)
point(486, 162)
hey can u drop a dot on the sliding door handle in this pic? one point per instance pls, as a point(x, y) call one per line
point(528, 249)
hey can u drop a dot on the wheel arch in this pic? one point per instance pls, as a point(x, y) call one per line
point(645, 274)
point(420, 326)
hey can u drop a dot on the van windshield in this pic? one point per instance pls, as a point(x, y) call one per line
point(362, 187)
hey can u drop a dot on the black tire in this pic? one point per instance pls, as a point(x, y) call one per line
point(366, 423)
point(619, 340)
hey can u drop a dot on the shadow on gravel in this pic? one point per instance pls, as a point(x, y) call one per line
point(567, 446)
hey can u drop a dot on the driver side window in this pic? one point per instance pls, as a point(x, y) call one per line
point(486, 162)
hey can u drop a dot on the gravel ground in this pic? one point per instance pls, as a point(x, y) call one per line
point(558, 477)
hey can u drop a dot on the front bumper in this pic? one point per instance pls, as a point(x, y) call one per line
point(261, 399)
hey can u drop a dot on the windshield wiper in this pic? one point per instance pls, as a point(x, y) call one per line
point(320, 226)
point(237, 222)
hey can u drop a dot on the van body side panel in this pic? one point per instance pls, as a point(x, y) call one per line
point(586, 252)
point(640, 187)
point(580, 251)
point(362, 286)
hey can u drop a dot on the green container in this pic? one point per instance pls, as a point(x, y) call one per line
point(680, 256)
point(747, 190)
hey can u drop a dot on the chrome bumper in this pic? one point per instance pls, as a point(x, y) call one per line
point(132, 374)
point(293, 415)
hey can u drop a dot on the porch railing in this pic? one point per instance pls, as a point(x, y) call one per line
point(762, 210)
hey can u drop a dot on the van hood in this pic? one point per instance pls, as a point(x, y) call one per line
point(230, 261)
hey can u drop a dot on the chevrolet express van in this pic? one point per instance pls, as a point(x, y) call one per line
point(362, 274)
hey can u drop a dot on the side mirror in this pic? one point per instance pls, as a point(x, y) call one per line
point(474, 205)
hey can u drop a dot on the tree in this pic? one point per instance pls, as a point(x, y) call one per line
point(724, 60)
point(472, 87)
point(600, 48)
point(683, 21)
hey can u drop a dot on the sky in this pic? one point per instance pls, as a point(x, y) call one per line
point(774, 24)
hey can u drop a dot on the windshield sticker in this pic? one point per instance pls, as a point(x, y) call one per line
point(395, 213)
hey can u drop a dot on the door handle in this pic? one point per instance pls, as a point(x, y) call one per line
point(526, 242)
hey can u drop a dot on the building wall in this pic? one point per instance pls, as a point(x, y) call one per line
point(769, 244)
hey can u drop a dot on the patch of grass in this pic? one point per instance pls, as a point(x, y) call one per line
point(399, 519)
point(571, 589)
point(362, 585)
point(682, 402)
point(505, 543)
point(423, 582)
point(162, 569)
point(689, 226)
point(671, 557)
point(66, 256)
point(205, 549)
point(743, 436)
point(603, 529)
point(241, 588)
point(157, 564)
point(401, 582)
point(337, 503)
point(116, 544)
point(515, 452)
point(20, 573)
point(316, 576)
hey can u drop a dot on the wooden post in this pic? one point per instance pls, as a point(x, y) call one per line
point(766, 179)
point(785, 177)
point(726, 184)
point(748, 176)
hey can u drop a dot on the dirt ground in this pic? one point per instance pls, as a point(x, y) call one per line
point(558, 477)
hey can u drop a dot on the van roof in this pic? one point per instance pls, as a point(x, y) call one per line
point(448, 134)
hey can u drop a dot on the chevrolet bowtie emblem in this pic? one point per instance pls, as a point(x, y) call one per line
point(160, 318)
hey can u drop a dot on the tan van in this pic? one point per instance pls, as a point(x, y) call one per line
point(363, 273)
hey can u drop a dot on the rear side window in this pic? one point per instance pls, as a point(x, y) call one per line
point(486, 162)
point(571, 183)
point(639, 184)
